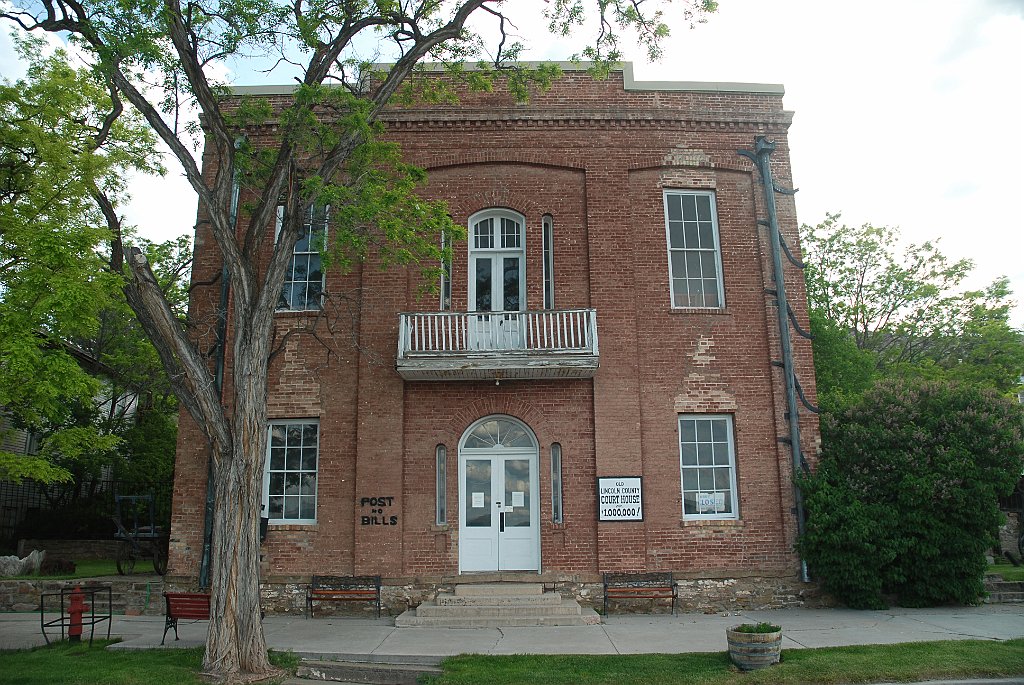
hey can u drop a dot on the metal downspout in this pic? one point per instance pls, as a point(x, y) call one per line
point(761, 156)
point(222, 333)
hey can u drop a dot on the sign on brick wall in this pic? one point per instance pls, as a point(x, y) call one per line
point(620, 498)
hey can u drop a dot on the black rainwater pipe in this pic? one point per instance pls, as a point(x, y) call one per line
point(761, 156)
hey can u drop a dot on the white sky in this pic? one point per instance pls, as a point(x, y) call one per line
point(907, 113)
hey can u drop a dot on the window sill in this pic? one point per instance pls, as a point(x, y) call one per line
point(297, 312)
point(293, 526)
point(711, 523)
point(714, 311)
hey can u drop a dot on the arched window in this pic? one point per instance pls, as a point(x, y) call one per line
point(497, 261)
point(498, 432)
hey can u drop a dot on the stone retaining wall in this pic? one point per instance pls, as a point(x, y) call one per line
point(143, 595)
point(71, 549)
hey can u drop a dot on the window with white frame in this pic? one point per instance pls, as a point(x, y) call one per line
point(497, 262)
point(708, 466)
point(304, 283)
point(694, 257)
point(289, 479)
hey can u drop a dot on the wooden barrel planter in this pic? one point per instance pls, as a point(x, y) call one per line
point(753, 650)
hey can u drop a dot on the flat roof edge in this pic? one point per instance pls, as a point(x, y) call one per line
point(629, 83)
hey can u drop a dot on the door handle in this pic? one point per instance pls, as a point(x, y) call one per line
point(501, 522)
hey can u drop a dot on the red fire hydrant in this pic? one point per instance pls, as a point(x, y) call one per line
point(76, 607)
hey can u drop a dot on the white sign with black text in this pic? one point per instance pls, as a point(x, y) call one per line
point(620, 498)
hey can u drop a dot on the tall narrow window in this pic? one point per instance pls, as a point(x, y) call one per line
point(547, 235)
point(441, 455)
point(304, 283)
point(446, 276)
point(290, 474)
point(556, 483)
point(694, 258)
point(708, 465)
point(497, 262)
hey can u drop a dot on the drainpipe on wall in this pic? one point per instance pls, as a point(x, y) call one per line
point(761, 155)
point(222, 332)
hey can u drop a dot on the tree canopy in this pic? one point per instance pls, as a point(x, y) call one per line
point(877, 313)
point(162, 58)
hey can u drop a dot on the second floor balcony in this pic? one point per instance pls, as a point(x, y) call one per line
point(497, 345)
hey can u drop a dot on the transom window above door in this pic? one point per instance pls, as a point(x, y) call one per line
point(497, 262)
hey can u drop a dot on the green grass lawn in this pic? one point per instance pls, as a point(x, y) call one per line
point(86, 568)
point(62, 664)
point(1007, 570)
point(862, 664)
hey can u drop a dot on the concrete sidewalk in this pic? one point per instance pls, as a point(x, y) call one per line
point(379, 640)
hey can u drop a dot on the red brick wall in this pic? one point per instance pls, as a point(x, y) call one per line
point(596, 158)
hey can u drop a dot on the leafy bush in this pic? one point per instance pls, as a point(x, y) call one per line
point(756, 628)
point(905, 498)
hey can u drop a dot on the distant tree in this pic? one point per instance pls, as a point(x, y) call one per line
point(159, 57)
point(905, 498)
point(907, 315)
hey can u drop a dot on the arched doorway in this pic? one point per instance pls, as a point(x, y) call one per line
point(499, 503)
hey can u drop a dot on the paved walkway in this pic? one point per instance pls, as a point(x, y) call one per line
point(378, 639)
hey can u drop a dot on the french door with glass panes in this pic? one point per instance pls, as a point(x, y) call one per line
point(497, 280)
point(499, 510)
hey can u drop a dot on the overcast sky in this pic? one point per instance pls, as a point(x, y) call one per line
point(908, 113)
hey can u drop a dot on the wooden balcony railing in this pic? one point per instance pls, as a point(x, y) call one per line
point(503, 344)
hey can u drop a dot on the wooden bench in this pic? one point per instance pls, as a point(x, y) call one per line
point(192, 605)
point(620, 586)
point(343, 589)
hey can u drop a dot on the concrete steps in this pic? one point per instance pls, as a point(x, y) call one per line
point(496, 605)
point(364, 672)
point(1003, 591)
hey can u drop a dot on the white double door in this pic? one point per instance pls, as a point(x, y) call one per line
point(499, 510)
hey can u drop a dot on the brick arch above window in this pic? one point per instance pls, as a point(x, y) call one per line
point(531, 158)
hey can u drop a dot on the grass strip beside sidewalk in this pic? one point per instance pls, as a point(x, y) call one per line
point(859, 664)
point(63, 664)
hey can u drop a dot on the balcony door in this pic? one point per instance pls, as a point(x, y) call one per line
point(499, 510)
point(497, 279)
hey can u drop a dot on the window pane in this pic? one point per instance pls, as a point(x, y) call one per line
point(707, 237)
point(711, 296)
point(704, 454)
point(689, 454)
point(690, 503)
point(688, 430)
point(689, 208)
point(277, 484)
point(511, 284)
point(294, 458)
point(277, 458)
point(441, 484)
point(308, 484)
point(721, 479)
point(675, 234)
point(704, 431)
point(704, 208)
point(692, 264)
point(483, 285)
point(307, 507)
point(291, 483)
point(675, 207)
point(556, 483)
point(689, 479)
point(509, 233)
point(309, 459)
point(291, 507)
point(478, 493)
point(721, 454)
point(276, 508)
point(708, 267)
point(690, 235)
point(277, 436)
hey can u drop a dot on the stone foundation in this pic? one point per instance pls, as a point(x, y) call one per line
point(1008, 533)
point(695, 595)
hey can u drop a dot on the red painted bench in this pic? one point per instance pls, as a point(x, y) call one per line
point(188, 605)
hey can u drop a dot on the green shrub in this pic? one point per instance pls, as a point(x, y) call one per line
point(905, 498)
point(756, 628)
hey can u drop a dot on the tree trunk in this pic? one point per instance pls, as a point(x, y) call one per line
point(236, 648)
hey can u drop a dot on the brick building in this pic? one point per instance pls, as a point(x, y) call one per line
point(622, 413)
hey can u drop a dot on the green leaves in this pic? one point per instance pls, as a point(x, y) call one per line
point(905, 498)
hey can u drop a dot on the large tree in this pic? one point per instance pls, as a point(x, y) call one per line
point(59, 145)
point(159, 56)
